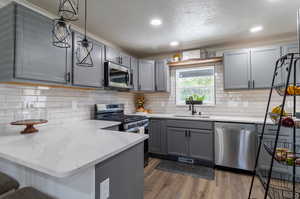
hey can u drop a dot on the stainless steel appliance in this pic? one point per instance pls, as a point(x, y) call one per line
point(235, 145)
point(129, 123)
point(117, 76)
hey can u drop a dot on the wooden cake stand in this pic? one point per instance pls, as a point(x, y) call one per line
point(29, 125)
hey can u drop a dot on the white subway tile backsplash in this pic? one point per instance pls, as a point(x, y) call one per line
point(57, 105)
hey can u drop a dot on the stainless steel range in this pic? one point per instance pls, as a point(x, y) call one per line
point(129, 123)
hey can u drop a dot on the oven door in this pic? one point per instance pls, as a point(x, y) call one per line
point(116, 76)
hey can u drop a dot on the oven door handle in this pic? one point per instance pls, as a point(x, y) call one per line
point(137, 128)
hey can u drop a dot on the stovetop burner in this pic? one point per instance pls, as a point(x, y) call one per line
point(115, 112)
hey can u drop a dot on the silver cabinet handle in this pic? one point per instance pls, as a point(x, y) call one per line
point(253, 84)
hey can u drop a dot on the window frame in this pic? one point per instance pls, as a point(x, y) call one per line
point(195, 68)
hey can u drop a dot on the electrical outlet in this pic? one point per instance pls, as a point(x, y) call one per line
point(104, 189)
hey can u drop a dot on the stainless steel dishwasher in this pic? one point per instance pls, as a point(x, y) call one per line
point(235, 145)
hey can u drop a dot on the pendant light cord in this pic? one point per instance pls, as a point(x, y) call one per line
point(85, 18)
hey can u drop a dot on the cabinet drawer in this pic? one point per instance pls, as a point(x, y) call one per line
point(190, 124)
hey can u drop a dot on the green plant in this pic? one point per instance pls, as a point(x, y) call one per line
point(196, 98)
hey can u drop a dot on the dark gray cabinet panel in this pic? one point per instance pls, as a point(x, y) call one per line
point(162, 77)
point(291, 48)
point(190, 124)
point(262, 66)
point(177, 141)
point(155, 136)
point(200, 144)
point(146, 75)
point(89, 76)
point(112, 55)
point(36, 57)
point(125, 172)
point(237, 69)
point(125, 60)
point(135, 73)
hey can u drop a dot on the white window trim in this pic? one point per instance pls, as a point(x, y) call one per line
point(195, 68)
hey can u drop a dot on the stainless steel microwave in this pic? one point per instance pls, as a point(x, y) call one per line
point(117, 76)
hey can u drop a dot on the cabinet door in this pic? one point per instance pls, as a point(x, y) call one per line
point(36, 57)
point(237, 69)
point(89, 76)
point(263, 62)
point(146, 75)
point(135, 73)
point(291, 48)
point(125, 60)
point(112, 55)
point(162, 75)
point(201, 144)
point(177, 141)
point(155, 136)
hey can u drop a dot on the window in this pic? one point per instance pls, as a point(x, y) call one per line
point(199, 81)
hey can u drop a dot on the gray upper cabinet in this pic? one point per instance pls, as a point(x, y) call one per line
point(112, 55)
point(135, 73)
point(36, 58)
point(146, 75)
point(237, 69)
point(291, 48)
point(263, 62)
point(89, 76)
point(201, 142)
point(177, 142)
point(125, 59)
point(117, 57)
point(162, 76)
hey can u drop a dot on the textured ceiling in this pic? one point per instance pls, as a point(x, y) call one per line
point(194, 23)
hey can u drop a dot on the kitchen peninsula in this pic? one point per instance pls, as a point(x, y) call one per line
point(78, 161)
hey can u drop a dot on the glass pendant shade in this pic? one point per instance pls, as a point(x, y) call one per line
point(68, 9)
point(61, 34)
point(83, 53)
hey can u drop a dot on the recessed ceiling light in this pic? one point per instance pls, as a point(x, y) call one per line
point(174, 43)
point(156, 22)
point(256, 29)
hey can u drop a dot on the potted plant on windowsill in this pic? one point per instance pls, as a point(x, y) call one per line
point(195, 99)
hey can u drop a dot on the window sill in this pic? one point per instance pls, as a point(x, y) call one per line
point(203, 105)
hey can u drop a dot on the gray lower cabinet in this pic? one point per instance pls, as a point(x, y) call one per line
point(200, 144)
point(192, 139)
point(135, 73)
point(157, 136)
point(36, 58)
point(89, 76)
point(177, 141)
point(125, 172)
point(162, 76)
point(146, 75)
point(263, 62)
point(237, 62)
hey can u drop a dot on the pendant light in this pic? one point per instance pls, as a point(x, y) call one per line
point(84, 48)
point(61, 34)
point(68, 9)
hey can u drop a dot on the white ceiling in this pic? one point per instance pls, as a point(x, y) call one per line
point(194, 23)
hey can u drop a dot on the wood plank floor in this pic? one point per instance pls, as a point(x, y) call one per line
point(166, 185)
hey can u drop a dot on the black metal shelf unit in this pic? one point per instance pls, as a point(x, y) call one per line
point(278, 176)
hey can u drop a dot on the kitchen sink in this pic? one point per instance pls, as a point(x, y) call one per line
point(191, 116)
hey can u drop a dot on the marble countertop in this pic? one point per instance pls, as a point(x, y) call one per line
point(62, 151)
point(250, 120)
